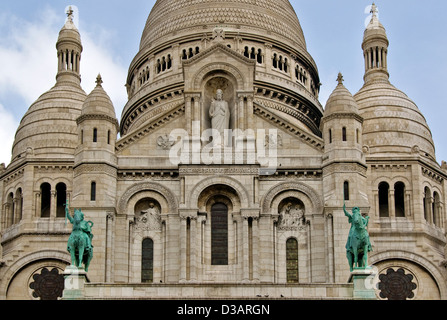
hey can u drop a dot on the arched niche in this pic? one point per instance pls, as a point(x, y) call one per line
point(215, 80)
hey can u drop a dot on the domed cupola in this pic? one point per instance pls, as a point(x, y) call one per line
point(97, 127)
point(99, 103)
point(375, 49)
point(48, 129)
point(342, 126)
point(340, 101)
point(69, 49)
point(343, 159)
point(393, 124)
point(263, 35)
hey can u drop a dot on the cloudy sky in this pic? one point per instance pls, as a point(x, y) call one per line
point(111, 32)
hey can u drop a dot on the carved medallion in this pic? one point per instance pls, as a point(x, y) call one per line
point(47, 285)
point(396, 285)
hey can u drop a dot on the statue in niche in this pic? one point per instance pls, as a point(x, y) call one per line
point(149, 219)
point(291, 215)
point(220, 114)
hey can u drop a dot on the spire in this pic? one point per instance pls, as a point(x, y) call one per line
point(375, 49)
point(374, 10)
point(69, 49)
point(70, 14)
point(99, 81)
point(340, 79)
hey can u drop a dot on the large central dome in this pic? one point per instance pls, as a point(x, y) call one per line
point(169, 17)
point(266, 33)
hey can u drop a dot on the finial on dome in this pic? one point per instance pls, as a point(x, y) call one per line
point(99, 81)
point(340, 78)
point(374, 10)
point(70, 13)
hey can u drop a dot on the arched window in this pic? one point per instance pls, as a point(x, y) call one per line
point(275, 61)
point(330, 135)
point(292, 260)
point(219, 234)
point(427, 204)
point(436, 210)
point(147, 260)
point(61, 194)
point(384, 189)
point(19, 203)
point(45, 200)
point(399, 199)
point(259, 56)
point(93, 191)
point(346, 190)
point(95, 135)
point(10, 211)
point(344, 136)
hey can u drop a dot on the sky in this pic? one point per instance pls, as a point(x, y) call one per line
point(111, 31)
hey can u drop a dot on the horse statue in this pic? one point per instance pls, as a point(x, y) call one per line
point(358, 244)
point(80, 241)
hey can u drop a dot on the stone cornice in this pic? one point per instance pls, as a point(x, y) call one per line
point(97, 117)
point(342, 115)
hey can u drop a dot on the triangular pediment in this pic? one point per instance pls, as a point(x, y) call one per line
point(219, 59)
point(216, 49)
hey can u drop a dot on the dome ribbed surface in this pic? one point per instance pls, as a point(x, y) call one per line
point(392, 121)
point(49, 126)
point(340, 101)
point(98, 103)
point(171, 16)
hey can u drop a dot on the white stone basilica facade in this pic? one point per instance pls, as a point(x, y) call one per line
point(180, 214)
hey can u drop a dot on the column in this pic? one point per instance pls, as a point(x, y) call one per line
point(330, 245)
point(196, 107)
point(188, 113)
point(245, 250)
point(391, 203)
point(374, 52)
point(408, 206)
point(109, 247)
point(38, 204)
point(255, 249)
point(365, 55)
point(176, 58)
point(183, 240)
point(240, 123)
point(376, 202)
point(193, 249)
point(268, 56)
point(53, 204)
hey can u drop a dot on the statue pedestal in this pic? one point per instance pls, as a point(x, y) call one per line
point(75, 279)
point(363, 283)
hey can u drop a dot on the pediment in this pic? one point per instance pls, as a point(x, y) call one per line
point(219, 59)
point(281, 121)
point(218, 49)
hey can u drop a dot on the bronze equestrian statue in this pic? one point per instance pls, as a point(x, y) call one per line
point(358, 244)
point(80, 241)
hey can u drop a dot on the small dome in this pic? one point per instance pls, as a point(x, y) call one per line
point(69, 32)
point(98, 102)
point(341, 100)
point(375, 30)
point(392, 121)
point(49, 126)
